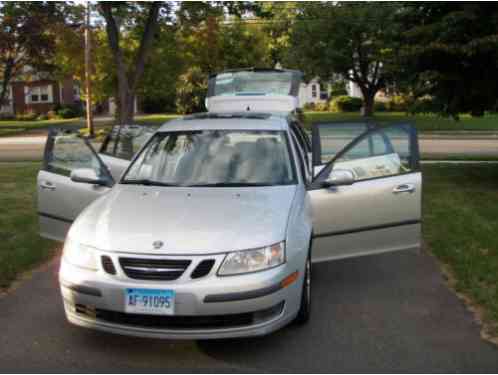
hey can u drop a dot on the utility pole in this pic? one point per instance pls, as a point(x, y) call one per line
point(88, 84)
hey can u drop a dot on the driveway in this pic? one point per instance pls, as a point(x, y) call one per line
point(385, 313)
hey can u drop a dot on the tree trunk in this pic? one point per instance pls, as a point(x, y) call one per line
point(128, 82)
point(5, 82)
point(368, 105)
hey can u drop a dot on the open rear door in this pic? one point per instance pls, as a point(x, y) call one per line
point(379, 210)
point(60, 199)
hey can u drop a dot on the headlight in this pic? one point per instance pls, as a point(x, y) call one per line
point(79, 255)
point(253, 260)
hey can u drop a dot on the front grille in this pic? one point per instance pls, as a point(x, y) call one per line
point(153, 269)
point(189, 322)
point(202, 269)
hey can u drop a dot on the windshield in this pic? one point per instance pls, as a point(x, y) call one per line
point(253, 83)
point(214, 158)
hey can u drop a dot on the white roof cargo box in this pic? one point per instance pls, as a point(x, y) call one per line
point(255, 90)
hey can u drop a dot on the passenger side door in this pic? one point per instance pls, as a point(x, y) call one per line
point(367, 198)
point(60, 197)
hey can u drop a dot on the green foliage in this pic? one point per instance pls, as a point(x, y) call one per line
point(449, 52)
point(345, 104)
point(423, 105)
point(192, 88)
point(398, 103)
point(355, 40)
point(28, 116)
point(380, 106)
point(68, 111)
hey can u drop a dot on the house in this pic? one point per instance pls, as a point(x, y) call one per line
point(40, 95)
point(313, 92)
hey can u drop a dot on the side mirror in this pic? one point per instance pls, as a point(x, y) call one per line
point(88, 176)
point(339, 177)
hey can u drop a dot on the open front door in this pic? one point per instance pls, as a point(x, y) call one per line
point(367, 199)
point(60, 199)
point(121, 145)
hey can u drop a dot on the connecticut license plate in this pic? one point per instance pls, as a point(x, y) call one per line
point(150, 301)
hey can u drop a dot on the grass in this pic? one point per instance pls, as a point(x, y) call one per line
point(424, 123)
point(21, 247)
point(460, 216)
point(461, 229)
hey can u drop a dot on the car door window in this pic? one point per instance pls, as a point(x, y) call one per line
point(330, 138)
point(68, 151)
point(378, 152)
point(123, 142)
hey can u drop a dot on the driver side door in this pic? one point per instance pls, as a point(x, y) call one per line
point(376, 210)
point(60, 199)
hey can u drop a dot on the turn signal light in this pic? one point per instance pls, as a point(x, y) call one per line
point(289, 279)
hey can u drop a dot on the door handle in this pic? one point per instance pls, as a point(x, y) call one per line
point(404, 188)
point(47, 185)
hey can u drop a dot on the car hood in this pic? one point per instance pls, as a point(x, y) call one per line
point(131, 218)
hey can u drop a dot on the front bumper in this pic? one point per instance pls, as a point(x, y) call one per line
point(253, 305)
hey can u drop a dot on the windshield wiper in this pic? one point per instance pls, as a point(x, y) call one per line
point(147, 182)
point(230, 184)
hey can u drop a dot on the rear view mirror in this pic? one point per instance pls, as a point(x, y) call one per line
point(339, 177)
point(89, 176)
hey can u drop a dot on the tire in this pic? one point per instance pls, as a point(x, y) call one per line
point(304, 313)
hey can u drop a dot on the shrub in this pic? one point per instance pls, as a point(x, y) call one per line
point(322, 107)
point(309, 107)
point(42, 117)
point(398, 103)
point(69, 111)
point(345, 103)
point(380, 107)
point(423, 105)
point(7, 116)
point(51, 115)
point(28, 116)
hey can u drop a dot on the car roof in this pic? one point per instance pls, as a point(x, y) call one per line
point(227, 121)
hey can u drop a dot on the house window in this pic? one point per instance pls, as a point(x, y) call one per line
point(313, 91)
point(39, 94)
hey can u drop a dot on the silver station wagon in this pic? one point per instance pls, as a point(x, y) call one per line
point(208, 226)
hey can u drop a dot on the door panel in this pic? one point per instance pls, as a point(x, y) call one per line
point(60, 200)
point(367, 217)
point(381, 210)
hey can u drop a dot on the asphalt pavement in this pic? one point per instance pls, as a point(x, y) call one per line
point(30, 148)
point(383, 313)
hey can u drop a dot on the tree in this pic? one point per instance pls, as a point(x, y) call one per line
point(27, 39)
point(355, 40)
point(124, 18)
point(450, 54)
point(211, 40)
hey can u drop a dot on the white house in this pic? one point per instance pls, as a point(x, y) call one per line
point(313, 92)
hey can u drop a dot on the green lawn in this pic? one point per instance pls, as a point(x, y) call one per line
point(424, 123)
point(460, 226)
point(21, 246)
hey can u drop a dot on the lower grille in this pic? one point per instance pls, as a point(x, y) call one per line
point(189, 322)
point(154, 269)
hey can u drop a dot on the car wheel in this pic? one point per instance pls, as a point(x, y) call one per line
point(304, 313)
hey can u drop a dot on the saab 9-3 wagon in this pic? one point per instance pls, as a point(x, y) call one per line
point(207, 227)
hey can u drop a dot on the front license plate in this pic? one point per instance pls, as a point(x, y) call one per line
point(150, 301)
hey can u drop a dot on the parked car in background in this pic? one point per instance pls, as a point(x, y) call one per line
point(208, 228)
